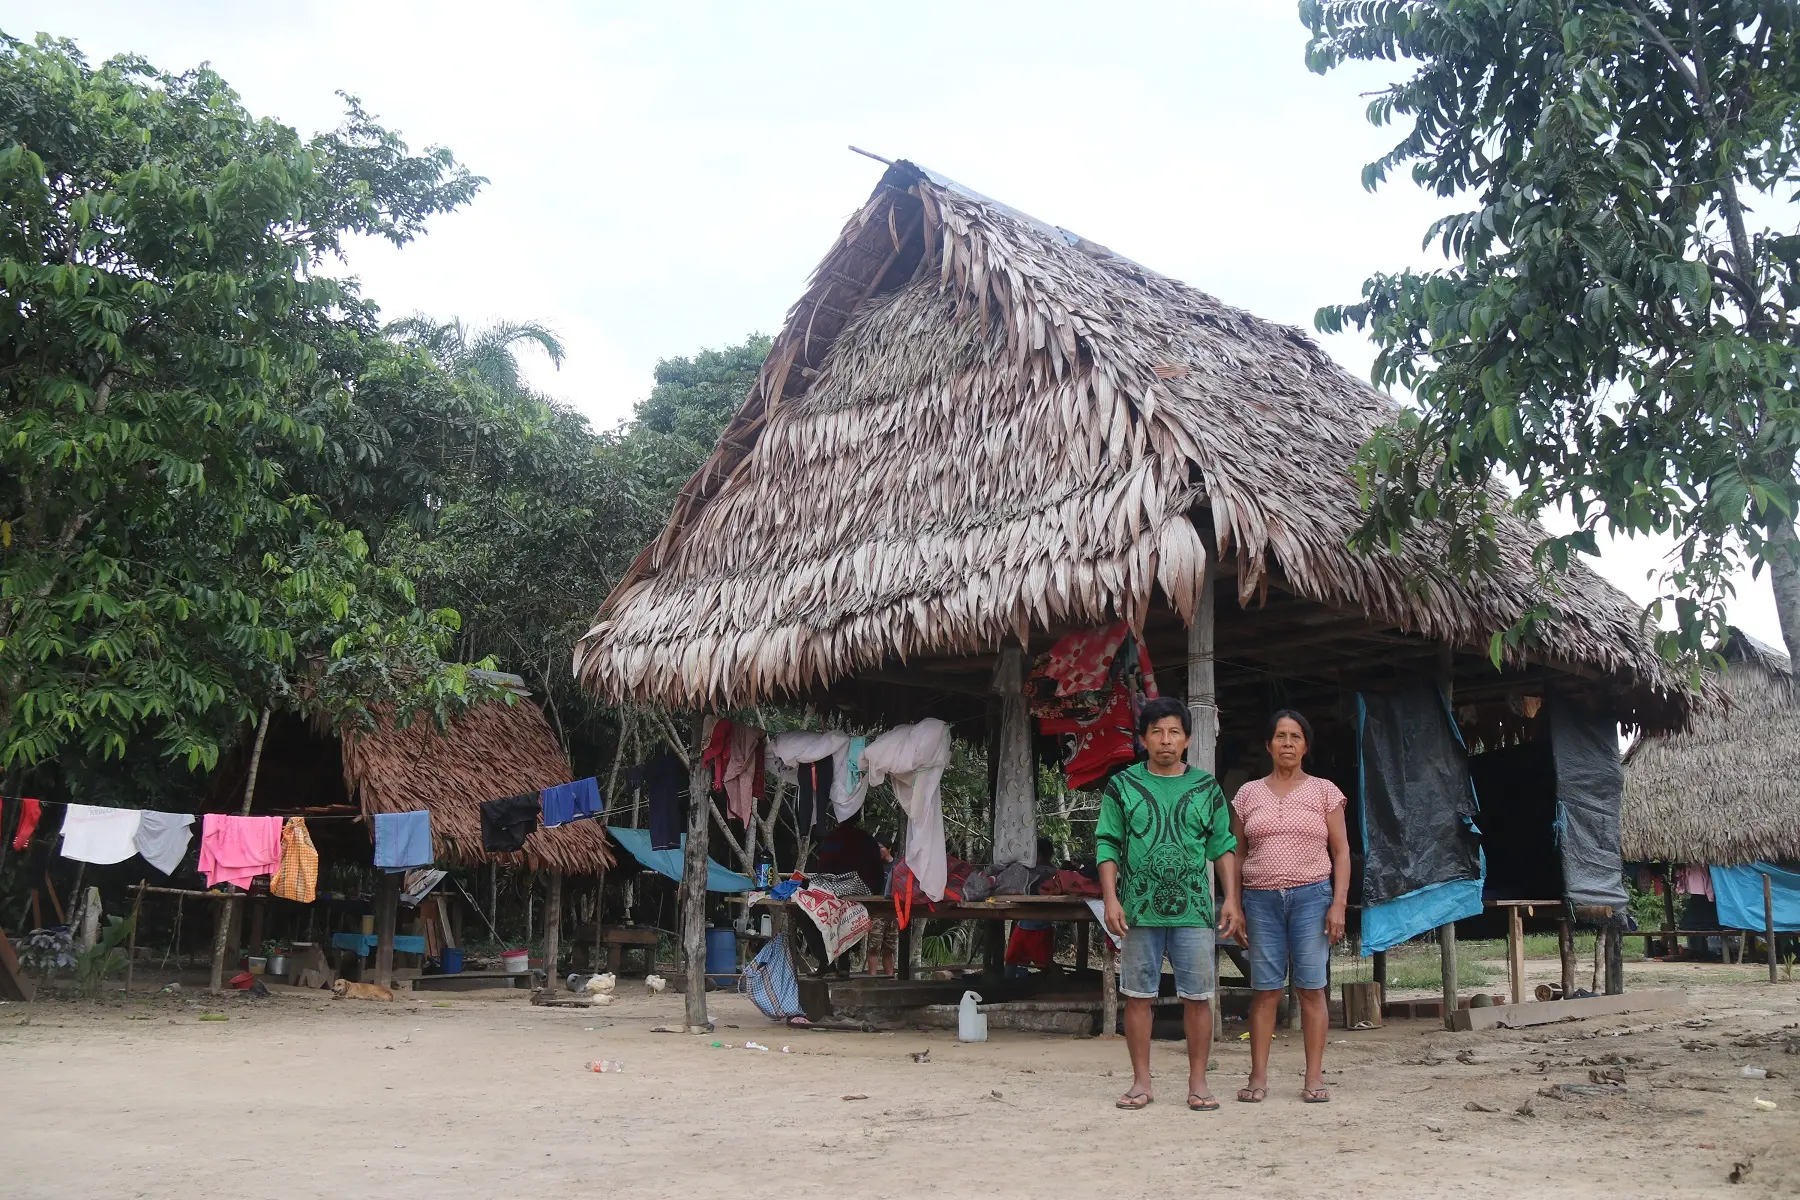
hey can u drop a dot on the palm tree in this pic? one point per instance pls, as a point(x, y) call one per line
point(487, 353)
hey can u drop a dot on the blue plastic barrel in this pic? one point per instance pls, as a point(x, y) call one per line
point(721, 952)
point(451, 958)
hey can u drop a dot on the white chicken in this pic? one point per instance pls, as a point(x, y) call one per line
point(655, 984)
point(599, 985)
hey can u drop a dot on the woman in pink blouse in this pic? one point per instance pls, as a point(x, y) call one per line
point(1295, 865)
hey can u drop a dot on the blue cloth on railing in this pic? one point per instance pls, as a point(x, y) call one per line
point(785, 889)
point(402, 840)
point(571, 801)
point(364, 943)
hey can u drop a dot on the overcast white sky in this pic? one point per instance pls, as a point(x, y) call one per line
point(663, 176)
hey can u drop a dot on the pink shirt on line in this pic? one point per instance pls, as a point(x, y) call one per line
point(236, 850)
point(1286, 838)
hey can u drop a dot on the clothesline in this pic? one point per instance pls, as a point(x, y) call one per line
point(176, 812)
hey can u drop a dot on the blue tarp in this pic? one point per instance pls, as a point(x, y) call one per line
point(1385, 926)
point(1739, 892)
point(668, 862)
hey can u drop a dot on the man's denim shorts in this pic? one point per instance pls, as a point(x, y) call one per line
point(1189, 949)
point(1287, 925)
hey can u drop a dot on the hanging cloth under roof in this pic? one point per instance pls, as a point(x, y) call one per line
point(1590, 788)
point(669, 863)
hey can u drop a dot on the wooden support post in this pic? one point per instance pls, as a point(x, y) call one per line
point(1615, 957)
point(1515, 952)
point(1109, 986)
point(1669, 921)
point(993, 957)
point(1081, 945)
point(1447, 933)
point(1447, 963)
point(1565, 947)
point(387, 912)
point(257, 908)
point(1203, 716)
point(227, 910)
point(904, 967)
point(693, 884)
point(1015, 786)
point(553, 929)
point(137, 907)
point(1769, 923)
point(1378, 969)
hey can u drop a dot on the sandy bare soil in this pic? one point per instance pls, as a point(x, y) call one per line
point(480, 1094)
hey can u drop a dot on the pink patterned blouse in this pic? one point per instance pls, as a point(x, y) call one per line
point(1286, 837)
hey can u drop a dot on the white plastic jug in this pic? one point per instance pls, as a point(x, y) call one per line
point(971, 1022)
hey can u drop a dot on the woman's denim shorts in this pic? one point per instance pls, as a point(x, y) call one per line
point(1287, 927)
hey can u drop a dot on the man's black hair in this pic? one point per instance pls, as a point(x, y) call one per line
point(1164, 706)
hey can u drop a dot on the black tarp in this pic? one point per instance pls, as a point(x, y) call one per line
point(1590, 785)
point(1418, 807)
point(1517, 786)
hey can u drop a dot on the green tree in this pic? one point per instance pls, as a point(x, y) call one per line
point(1615, 332)
point(160, 329)
point(674, 428)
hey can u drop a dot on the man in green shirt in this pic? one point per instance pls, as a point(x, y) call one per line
point(1161, 822)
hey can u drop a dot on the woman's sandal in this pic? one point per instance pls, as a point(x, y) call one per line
point(1316, 1095)
point(1199, 1103)
point(1252, 1095)
point(1132, 1101)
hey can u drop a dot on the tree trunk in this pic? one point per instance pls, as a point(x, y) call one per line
point(693, 887)
point(1015, 774)
point(1784, 579)
point(552, 929)
point(222, 933)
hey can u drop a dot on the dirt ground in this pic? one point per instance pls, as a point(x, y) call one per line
point(481, 1094)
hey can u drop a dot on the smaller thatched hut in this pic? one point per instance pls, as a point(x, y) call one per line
point(1726, 790)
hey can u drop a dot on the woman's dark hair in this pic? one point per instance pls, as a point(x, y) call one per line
point(1164, 706)
point(1288, 714)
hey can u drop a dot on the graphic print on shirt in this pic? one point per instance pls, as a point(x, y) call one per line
point(1162, 831)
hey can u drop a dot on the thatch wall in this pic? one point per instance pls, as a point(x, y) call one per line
point(490, 750)
point(974, 424)
point(1727, 790)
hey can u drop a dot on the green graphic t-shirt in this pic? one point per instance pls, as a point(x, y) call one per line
point(1162, 830)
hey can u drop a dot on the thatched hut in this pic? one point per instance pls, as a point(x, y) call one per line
point(977, 432)
point(1726, 790)
point(487, 751)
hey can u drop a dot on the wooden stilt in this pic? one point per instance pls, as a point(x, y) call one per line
point(1515, 953)
point(553, 929)
point(1015, 786)
point(1109, 986)
point(137, 907)
point(228, 909)
point(387, 912)
point(1565, 946)
point(1769, 924)
point(1378, 968)
point(1615, 958)
point(1447, 963)
point(1081, 945)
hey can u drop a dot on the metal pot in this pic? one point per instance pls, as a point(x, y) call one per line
point(278, 964)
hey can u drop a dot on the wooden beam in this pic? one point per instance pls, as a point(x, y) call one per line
point(387, 912)
point(1203, 716)
point(1565, 947)
point(1515, 952)
point(553, 928)
point(1544, 1012)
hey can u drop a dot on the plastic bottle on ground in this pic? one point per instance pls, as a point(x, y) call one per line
point(606, 1065)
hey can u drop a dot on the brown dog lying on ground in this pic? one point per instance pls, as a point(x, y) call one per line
point(343, 988)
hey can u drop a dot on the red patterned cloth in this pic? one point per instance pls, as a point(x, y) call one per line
point(1097, 747)
point(1030, 947)
point(1075, 677)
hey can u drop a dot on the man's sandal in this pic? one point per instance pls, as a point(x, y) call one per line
point(1252, 1095)
point(1199, 1103)
point(1132, 1101)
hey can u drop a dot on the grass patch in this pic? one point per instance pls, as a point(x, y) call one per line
point(1427, 972)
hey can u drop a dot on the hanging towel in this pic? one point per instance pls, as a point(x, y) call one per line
point(665, 777)
point(403, 840)
point(508, 821)
point(30, 812)
point(791, 750)
point(163, 837)
point(100, 835)
point(298, 876)
point(915, 756)
point(744, 772)
point(717, 754)
point(855, 790)
point(236, 850)
point(570, 802)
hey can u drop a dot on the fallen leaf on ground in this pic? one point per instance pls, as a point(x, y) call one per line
point(1478, 1106)
point(856, 1096)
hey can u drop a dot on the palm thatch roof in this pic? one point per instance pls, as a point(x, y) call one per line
point(974, 424)
point(487, 751)
point(1726, 790)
